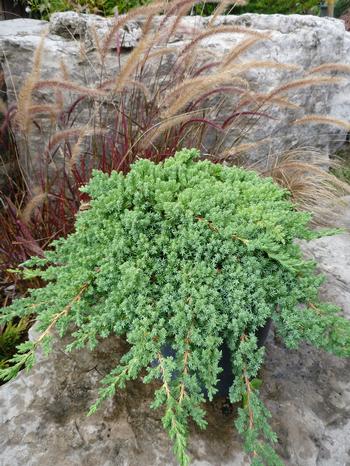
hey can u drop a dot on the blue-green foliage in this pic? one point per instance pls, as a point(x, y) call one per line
point(185, 253)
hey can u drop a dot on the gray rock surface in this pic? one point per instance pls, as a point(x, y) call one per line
point(43, 413)
point(307, 41)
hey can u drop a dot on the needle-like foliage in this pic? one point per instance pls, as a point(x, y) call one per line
point(186, 254)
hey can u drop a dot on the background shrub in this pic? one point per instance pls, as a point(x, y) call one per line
point(11, 335)
point(44, 8)
point(341, 7)
point(279, 6)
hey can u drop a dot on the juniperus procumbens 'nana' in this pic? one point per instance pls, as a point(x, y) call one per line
point(188, 254)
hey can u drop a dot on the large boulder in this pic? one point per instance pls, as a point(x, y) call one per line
point(307, 41)
point(43, 413)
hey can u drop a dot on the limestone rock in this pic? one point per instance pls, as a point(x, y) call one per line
point(307, 41)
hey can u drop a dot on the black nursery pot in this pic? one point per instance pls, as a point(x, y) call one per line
point(226, 376)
